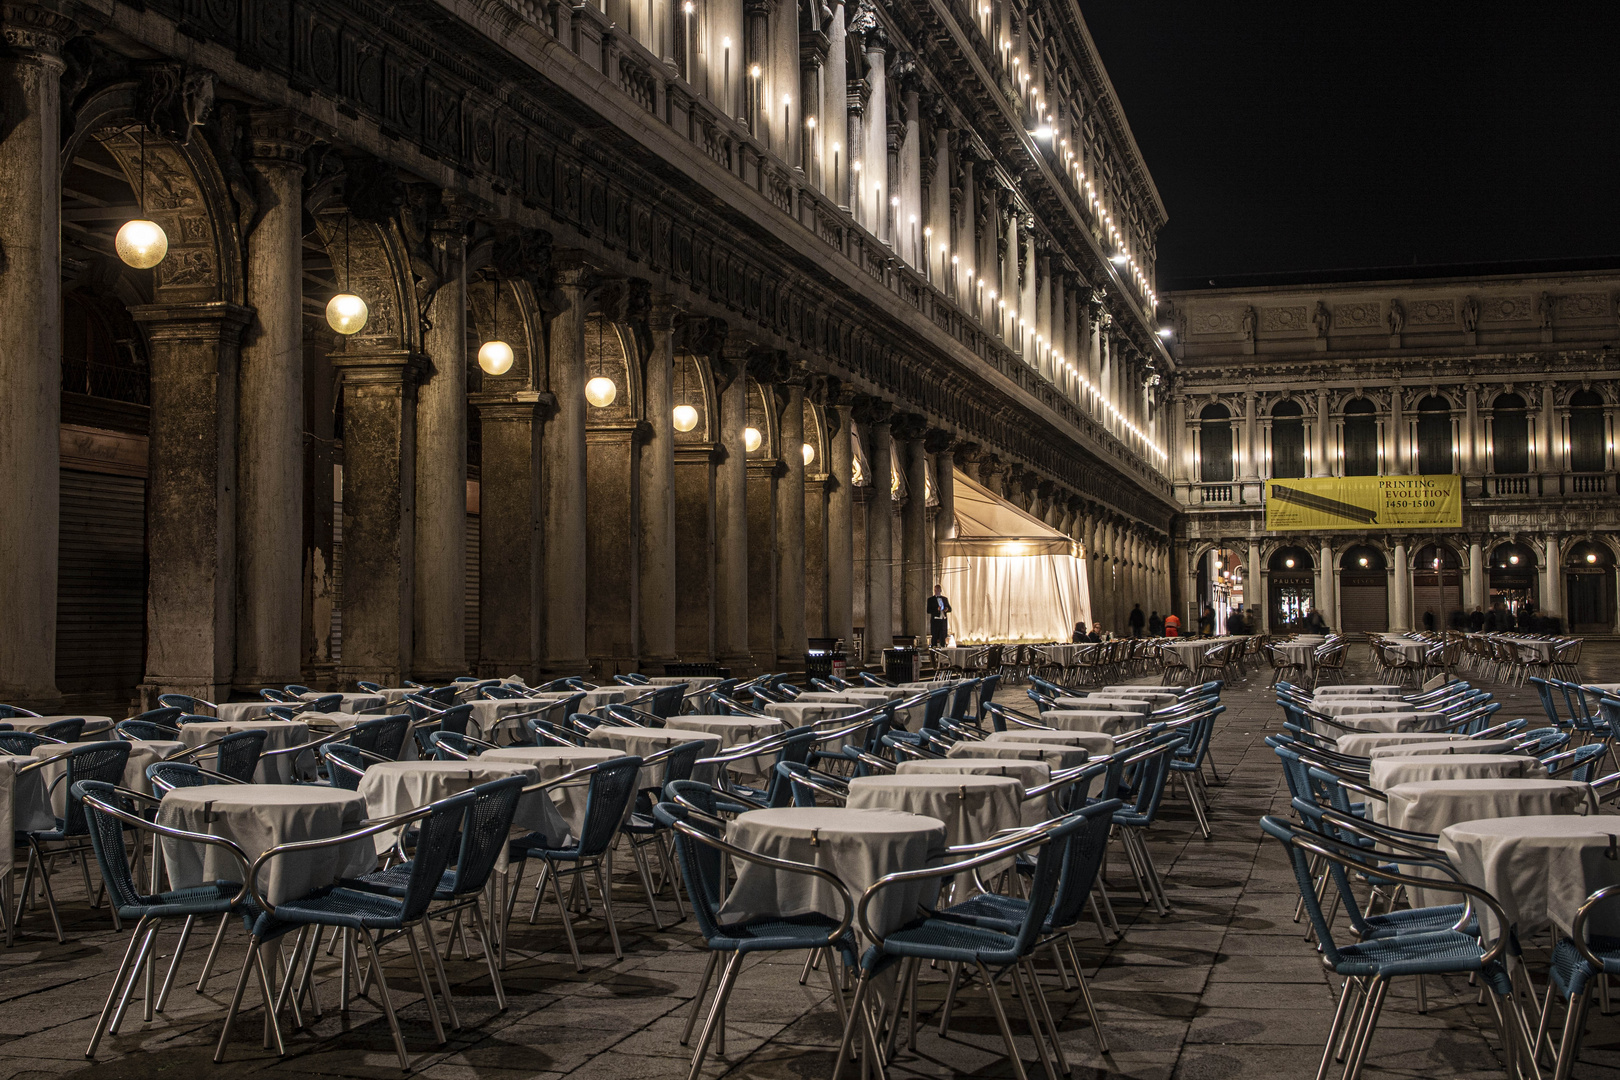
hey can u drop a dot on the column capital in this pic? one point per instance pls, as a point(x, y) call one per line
point(394, 367)
point(571, 269)
point(36, 29)
point(523, 405)
point(278, 137)
point(938, 441)
point(909, 427)
point(215, 319)
point(664, 313)
point(872, 411)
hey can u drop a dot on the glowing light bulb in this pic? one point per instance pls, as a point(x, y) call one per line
point(1288, 563)
point(141, 243)
point(809, 453)
point(495, 357)
point(346, 313)
point(601, 391)
point(686, 418)
point(751, 439)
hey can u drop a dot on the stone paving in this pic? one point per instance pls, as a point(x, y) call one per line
point(1222, 987)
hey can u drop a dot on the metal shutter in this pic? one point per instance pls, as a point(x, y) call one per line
point(1363, 607)
point(337, 577)
point(101, 585)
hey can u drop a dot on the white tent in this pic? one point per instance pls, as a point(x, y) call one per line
point(1009, 576)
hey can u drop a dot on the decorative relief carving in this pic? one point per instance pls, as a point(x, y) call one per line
point(1431, 312)
point(1213, 322)
point(1282, 319)
point(1583, 306)
point(1355, 316)
point(1505, 309)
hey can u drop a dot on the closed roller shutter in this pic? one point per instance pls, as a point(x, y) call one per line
point(1362, 604)
point(472, 592)
point(337, 580)
point(1439, 599)
point(101, 585)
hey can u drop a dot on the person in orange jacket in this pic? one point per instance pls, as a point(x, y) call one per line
point(1172, 626)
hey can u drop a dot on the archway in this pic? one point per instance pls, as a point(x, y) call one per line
point(1512, 585)
point(1436, 588)
point(1221, 577)
point(1363, 589)
point(1589, 583)
point(1291, 587)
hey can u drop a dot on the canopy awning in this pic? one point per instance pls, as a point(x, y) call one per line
point(988, 525)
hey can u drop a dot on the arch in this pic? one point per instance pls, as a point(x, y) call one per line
point(1363, 573)
point(693, 384)
point(1215, 464)
point(1514, 585)
point(1434, 438)
point(1353, 556)
point(1509, 439)
point(1588, 440)
point(1291, 559)
point(762, 418)
point(1589, 572)
point(1513, 554)
point(1287, 406)
point(1287, 439)
point(612, 352)
point(371, 260)
point(815, 437)
point(1360, 438)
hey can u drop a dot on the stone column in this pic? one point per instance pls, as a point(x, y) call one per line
point(1400, 594)
point(1045, 347)
point(1547, 434)
point(1476, 573)
point(879, 542)
point(1322, 443)
point(563, 475)
point(841, 532)
point(190, 500)
point(509, 567)
point(916, 543)
point(30, 349)
point(836, 143)
point(874, 196)
point(1325, 574)
point(790, 632)
point(270, 440)
point(1552, 577)
point(656, 462)
point(1395, 464)
point(1254, 583)
point(1250, 467)
point(1470, 442)
point(379, 513)
point(440, 650)
point(945, 488)
point(731, 511)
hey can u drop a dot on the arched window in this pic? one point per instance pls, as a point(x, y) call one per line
point(1215, 453)
point(1586, 432)
point(1360, 439)
point(1287, 440)
point(1510, 435)
point(1434, 436)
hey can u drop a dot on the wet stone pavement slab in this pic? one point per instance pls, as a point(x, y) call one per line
point(1223, 986)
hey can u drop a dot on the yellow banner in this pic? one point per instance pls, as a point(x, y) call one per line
point(1346, 502)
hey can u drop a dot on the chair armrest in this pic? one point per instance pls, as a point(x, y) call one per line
point(783, 865)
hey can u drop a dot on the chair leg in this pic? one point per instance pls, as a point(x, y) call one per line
point(213, 953)
point(387, 998)
point(646, 882)
point(489, 957)
point(1015, 975)
point(1574, 1024)
point(855, 1017)
point(1369, 1023)
point(1045, 1010)
point(1001, 1020)
point(427, 987)
point(697, 1002)
point(562, 907)
point(174, 964)
point(135, 977)
point(242, 978)
point(444, 981)
point(1085, 996)
point(112, 991)
point(602, 888)
point(1341, 1016)
point(716, 1012)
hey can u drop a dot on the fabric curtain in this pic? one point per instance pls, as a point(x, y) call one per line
point(1021, 598)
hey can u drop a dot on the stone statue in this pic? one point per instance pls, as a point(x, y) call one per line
point(1470, 313)
point(1248, 324)
point(1323, 319)
point(1396, 317)
point(1544, 310)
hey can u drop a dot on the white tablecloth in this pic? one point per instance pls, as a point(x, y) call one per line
point(1363, 743)
point(798, 714)
point(550, 762)
point(35, 723)
point(692, 682)
point(1056, 755)
point(141, 754)
point(1140, 706)
point(1029, 774)
point(1340, 689)
point(505, 720)
point(867, 698)
point(1392, 721)
point(258, 817)
point(236, 712)
point(1388, 772)
point(1108, 723)
point(1361, 705)
point(973, 806)
point(1445, 746)
point(956, 656)
point(352, 702)
point(396, 787)
point(856, 846)
point(1408, 648)
point(1095, 743)
point(1431, 805)
point(280, 734)
point(1299, 654)
point(23, 804)
point(733, 731)
point(594, 699)
point(644, 742)
point(1541, 868)
point(1158, 698)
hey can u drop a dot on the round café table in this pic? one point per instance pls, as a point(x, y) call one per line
point(1392, 721)
point(1028, 773)
point(550, 762)
point(503, 720)
point(25, 806)
point(799, 713)
point(973, 806)
point(733, 731)
point(856, 846)
point(141, 754)
point(1341, 689)
point(1104, 721)
point(1056, 755)
point(235, 712)
point(1095, 743)
point(397, 787)
point(1429, 806)
point(1361, 704)
point(34, 723)
point(646, 741)
point(257, 817)
point(1363, 743)
point(1387, 772)
point(1139, 706)
point(281, 734)
point(1159, 698)
point(1449, 746)
point(1540, 867)
point(351, 702)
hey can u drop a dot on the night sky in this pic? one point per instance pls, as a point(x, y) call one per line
point(1320, 136)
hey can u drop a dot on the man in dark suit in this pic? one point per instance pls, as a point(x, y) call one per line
point(938, 609)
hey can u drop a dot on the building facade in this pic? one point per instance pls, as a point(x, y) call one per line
point(1506, 380)
point(718, 242)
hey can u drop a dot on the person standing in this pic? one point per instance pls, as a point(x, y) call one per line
point(1172, 625)
point(1136, 620)
point(1155, 625)
point(938, 622)
point(1206, 622)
